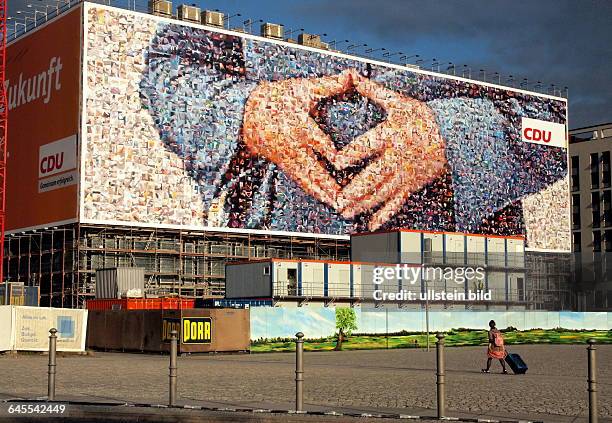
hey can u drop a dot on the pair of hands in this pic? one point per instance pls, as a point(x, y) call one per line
point(408, 146)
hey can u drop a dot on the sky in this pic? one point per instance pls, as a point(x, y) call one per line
point(561, 42)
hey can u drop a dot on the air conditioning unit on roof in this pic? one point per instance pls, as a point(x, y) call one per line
point(188, 13)
point(270, 30)
point(160, 8)
point(212, 18)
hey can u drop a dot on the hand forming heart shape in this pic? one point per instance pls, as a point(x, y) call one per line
point(408, 147)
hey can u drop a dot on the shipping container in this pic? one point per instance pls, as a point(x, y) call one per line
point(516, 286)
point(515, 252)
point(284, 281)
point(200, 330)
point(496, 252)
point(311, 279)
point(337, 280)
point(358, 285)
point(379, 247)
point(476, 250)
point(438, 248)
point(283, 278)
point(497, 283)
point(140, 303)
point(411, 242)
point(253, 279)
point(119, 282)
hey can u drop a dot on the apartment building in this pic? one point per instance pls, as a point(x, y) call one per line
point(591, 193)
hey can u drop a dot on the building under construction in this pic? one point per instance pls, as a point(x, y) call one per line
point(63, 260)
point(155, 147)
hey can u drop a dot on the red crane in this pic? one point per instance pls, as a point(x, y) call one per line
point(3, 131)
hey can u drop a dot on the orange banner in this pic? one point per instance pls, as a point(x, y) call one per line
point(43, 73)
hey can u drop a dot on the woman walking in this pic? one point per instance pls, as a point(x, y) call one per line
point(496, 348)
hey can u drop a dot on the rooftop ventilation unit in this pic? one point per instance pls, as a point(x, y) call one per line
point(312, 40)
point(270, 30)
point(188, 13)
point(212, 18)
point(160, 8)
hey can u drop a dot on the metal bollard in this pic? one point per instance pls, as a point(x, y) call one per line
point(440, 375)
point(52, 364)
point(173, 354)
point(299, 372)
point(592, 381)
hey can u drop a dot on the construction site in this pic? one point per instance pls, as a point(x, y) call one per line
point(62, 261)
point(126, 181)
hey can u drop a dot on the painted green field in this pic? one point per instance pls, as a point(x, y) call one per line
point(453, 338)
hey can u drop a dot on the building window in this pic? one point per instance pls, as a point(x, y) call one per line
point(607, 208)
point(575, 173)
point(596, 241)
point(606, 175)
point(608, 241)
point(292, 282)
point(576, 211)
point(583, 136)
point(520, 289)
point(594, 170)
point(595, 209)
point(577, 241)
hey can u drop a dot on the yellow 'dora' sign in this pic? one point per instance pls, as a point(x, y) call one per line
point(197, 330)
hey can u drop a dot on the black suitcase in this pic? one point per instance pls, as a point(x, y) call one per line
point(516, 363)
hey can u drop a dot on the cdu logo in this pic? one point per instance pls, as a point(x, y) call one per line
point(543, 132)
point(57, 157)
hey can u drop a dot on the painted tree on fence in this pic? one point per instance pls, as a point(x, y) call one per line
point(346, 323)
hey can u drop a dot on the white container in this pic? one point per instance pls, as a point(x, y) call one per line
point(312, 279)
point(119, 282)
point(339, 280)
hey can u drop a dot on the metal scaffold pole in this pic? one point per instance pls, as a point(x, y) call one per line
point(3, 132)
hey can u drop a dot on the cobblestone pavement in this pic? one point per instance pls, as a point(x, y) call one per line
point(379, 379)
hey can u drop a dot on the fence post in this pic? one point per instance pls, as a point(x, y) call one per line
point(592, 381)
point(440, 375)
point(173, 353)
point(299, 372)
point(52, 365)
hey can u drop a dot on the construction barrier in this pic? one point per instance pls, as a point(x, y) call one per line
point(199, 330)
point(27, 328)
point(319, 322)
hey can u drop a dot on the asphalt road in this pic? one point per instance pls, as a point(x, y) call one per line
point(554, 389)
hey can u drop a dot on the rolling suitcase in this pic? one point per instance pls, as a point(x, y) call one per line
point(516, 363)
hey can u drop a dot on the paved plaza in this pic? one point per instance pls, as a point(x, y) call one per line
point(553, 390)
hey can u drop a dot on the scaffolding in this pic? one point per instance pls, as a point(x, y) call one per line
point(62, 260)
point(549, 278)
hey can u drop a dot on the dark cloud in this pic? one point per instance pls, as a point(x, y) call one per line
point(565, 42)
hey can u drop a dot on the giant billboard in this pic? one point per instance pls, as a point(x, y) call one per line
point(43, 83)
point(191, 127)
